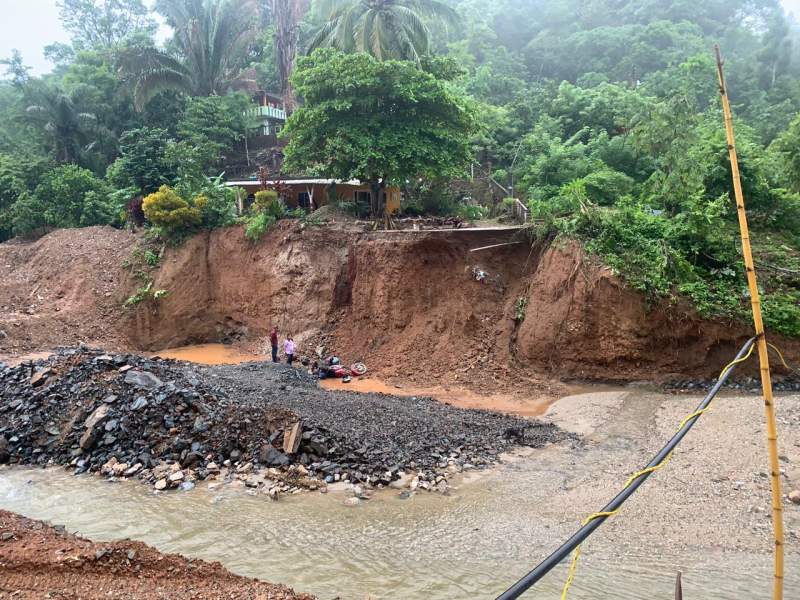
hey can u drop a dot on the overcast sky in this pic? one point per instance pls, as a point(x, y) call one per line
point(30, 25)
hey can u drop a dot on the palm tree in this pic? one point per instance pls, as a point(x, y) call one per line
point(209, 49)
point(70, 132)
point(286, 17)
point(387, 29)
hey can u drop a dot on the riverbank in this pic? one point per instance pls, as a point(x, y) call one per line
point(42, 561)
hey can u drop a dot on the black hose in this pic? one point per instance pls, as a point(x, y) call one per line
point(519, 588)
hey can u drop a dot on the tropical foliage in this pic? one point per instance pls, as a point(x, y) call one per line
point(602, 115)
point(209, 49)
point(386, 29)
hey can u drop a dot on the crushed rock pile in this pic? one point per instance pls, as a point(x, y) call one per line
point(172, 423)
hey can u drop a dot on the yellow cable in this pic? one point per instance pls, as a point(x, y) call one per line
point(780, 355)
point(577, 553)
point(731, 364)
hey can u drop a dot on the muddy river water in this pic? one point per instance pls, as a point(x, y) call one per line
point(470, 544)
point(466, 546)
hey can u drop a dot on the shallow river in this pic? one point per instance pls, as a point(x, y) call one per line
point(469, 545)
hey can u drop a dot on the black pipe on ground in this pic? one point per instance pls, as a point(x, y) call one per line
point(519, 588)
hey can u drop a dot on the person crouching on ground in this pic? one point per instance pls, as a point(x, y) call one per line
point(273, 340)
point(288, 349)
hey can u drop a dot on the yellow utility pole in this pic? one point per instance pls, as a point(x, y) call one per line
point(763, 357)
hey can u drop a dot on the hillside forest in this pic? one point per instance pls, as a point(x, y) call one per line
point(603, 116)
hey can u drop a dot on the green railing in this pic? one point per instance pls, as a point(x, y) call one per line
point(268, 111)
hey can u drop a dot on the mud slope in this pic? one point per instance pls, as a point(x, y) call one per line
point(64, 288)
point(407, 304)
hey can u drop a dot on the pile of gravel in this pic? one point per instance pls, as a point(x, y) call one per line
point(378, 434)
point(84, 408)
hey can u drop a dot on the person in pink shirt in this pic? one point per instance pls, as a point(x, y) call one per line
point(288, 349)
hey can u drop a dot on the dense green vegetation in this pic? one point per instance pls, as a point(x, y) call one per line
point(344, 130)
point(602, 115)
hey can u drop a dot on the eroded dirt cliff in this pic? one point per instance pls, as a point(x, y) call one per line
point(408, 304)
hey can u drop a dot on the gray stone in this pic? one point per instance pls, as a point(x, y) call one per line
point(272, 457)
point(143, 380)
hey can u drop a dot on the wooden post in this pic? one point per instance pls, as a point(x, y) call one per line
point(763, 357)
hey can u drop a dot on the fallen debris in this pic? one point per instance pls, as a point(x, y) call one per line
point(172, 424)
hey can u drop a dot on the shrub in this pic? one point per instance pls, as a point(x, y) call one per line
point(217, 209)
point(73, 197)
point(27, 215)
point(168, 211)
point(257, 225)
point(471, 212)
point(97, 210)
point(146, 293)
point(604, 187)
point(144, 162)
point(267, 202)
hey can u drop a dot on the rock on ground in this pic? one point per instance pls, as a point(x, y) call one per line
point(95, 410)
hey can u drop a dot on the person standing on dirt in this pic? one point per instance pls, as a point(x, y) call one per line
point(273, 340)
point(288, 349)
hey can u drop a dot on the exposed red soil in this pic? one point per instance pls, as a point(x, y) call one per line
point(40, 561)
point(65, 288)
point(407, 304)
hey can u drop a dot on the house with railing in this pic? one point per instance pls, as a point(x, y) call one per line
point(270, 113)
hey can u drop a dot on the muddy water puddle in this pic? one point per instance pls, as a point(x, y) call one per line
point(430, 547)
point(508, 403)
point(219, 354)
point(209, 354)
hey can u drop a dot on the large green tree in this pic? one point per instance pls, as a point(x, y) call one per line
point(386, 29)
point(379, 122)
point(207, 54)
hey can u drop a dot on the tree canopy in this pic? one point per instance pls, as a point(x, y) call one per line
point(376, 121)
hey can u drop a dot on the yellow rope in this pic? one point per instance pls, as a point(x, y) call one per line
point(577, 552)
point(733, 363)
point(780, 355)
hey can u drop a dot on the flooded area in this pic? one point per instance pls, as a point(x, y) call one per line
point(469, 545)
point(472, 543)
point(507, 403)
point(223, 354)
point(209, 354)
point(705, 515)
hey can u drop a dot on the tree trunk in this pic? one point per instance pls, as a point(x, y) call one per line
point(286, 17)
point(378, 199)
